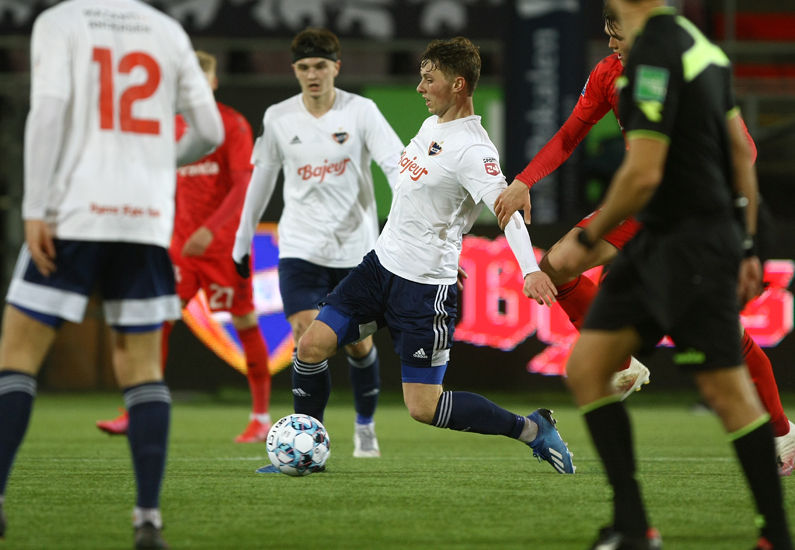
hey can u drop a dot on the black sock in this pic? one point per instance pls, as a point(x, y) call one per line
point(756, 451)
point(612, 436)
point(17, 391)
point(469, 412)
point(366, 383)
point(149, 406)
point(311, 388)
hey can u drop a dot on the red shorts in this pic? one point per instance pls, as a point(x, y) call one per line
point(619, 236)
point(225, 289)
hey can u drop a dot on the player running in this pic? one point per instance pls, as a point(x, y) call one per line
point(447, 173)
point(210, 195)
point(100, 158)
point(324, 139)
point(566, 261)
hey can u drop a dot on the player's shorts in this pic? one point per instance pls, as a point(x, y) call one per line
point(420, 317)
point(303, 285)
point(682, 283)
point(225, 289)
point(136, 281)
point(620, 235)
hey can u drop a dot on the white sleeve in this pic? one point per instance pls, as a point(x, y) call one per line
point(44, 135)
point(479, 171)
point(258, 195)
point(381, 140)
point(193, 89)
point(266, 150)
point(518, 238)
point(50, 62)
point(389, 166)
point(204, 133)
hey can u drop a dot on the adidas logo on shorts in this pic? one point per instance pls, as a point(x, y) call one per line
point(420, 354)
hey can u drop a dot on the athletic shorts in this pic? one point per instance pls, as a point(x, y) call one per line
point(682, 283)
point(420, 317)
point(619, 236)
point(136, 282)
point(225, 289)
point(303, 285)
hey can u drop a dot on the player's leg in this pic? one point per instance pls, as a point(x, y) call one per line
point(311, 377)
point(366, 382)
point(258, 374)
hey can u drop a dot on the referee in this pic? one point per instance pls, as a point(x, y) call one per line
point(686, 169)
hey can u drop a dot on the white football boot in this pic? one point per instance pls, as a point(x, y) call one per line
point(630, 379)
point(785, 451)
point(365, 443)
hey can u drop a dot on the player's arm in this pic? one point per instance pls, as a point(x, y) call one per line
point(204, 133)
point(258, 195)
point(381, 140)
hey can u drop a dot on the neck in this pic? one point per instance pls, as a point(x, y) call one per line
point(634, 16)
point(460, 109)
point(319, 106)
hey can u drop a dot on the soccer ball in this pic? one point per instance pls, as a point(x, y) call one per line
point(298, 445)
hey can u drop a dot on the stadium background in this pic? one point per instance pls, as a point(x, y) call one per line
point(536, 57)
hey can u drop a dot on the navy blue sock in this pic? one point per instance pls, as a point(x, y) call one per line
point(311, 388)
point(149, 406)
point(17, 391)
point(366, 384)
point(469, 412)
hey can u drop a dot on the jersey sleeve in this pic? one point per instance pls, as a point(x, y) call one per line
point(192, 86)
point(380, 138)
point(266, 149)
point(651, 92)
point(50, 60)
point(239, 143)
point(479, 171)
point(594, 102)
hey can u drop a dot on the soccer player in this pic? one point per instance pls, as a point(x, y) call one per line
point(324, 139)
point(682, 273)
point(210, 194)
point(566, 261)
point(447, 173)
point(98, 207)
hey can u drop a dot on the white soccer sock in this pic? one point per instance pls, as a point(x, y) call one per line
point(144, 515)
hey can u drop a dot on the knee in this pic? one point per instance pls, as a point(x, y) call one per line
point(560, 266)
point(421, 411)
point(314, 347)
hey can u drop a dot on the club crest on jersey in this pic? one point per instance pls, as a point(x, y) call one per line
point(341, 137)
point(492, 166)
point(434, 149)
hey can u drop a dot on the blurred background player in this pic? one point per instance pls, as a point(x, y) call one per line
point(687, 162)
point(447, 173)
point(324, 139)
point(210, 195)
point(98, 210)
point(566, 261)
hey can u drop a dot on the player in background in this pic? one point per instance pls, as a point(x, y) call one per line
point(100, 158)
point(687, 167)
point(324, 139)
point(447, 173)
point(566, 261)
point(210, 194)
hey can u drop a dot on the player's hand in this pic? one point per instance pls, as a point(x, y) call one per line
point(244, 266)
point(538, 286)
point(198, 242)
point(749, 284)
point(515, 197)
point(38, 236)
point(460, 280)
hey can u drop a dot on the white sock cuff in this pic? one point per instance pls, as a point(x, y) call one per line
point(364, 362)
point(147, 515)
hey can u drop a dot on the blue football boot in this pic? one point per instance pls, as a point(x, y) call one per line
point(548, 445)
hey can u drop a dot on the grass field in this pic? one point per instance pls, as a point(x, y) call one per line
point(72, 486)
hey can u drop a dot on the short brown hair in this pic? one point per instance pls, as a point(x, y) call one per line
point(207, 62)
point(315, 40)
point(455, 57)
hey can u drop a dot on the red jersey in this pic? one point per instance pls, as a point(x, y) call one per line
point(599, 95)
point(211, 191)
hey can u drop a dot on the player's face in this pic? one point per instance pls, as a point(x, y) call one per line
point(316, 75)
point(617, 42)
point(436, 90)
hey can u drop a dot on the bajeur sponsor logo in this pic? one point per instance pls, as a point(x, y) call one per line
point(327, 169)
point(415, 170)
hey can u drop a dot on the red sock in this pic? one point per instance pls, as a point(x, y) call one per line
point(167, 327)
point(762, 375)
point(259, 374)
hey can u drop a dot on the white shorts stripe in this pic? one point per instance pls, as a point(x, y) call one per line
point(146, 311)
point(51, 301)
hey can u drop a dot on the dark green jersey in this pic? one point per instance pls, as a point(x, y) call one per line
point(677, 88)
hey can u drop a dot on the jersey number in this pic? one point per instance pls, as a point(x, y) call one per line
point(221, 297)
point(132, 94)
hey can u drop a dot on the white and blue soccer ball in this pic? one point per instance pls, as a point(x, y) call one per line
point(298, 445)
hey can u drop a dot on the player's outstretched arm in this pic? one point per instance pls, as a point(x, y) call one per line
point(258, 195)
point(205, 132)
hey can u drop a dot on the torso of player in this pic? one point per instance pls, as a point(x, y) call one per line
point(599, 95)
point(120, 75)
point(203, 185)
point(329, 215)
point(433, 205)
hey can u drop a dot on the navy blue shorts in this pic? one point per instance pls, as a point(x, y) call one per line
point(136, 282)
point(420, 317)
point(303, 285)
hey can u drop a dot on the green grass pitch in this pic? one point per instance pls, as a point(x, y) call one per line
point(72, 486)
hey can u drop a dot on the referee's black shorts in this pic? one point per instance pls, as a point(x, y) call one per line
point(681, 283)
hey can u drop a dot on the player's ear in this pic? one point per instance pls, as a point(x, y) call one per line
point(459, 84)
point(337, 65)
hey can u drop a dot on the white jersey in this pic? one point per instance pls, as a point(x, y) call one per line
point(123, 68)
point(329, 216)
point(444, 173)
